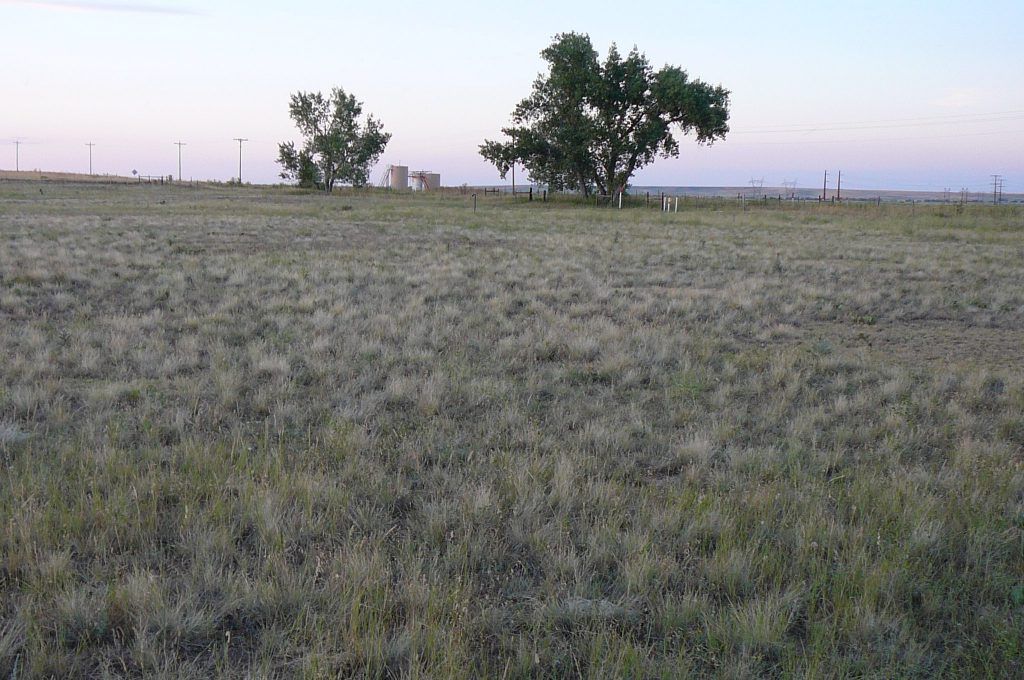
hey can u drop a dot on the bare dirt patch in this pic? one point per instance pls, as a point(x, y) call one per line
point(931, 343)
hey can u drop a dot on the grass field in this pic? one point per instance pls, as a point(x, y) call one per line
point(63, 177)
point(264, 433)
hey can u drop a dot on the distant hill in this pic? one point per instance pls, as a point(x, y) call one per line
point(42, 176)
point(803, 194)
point(812, 194)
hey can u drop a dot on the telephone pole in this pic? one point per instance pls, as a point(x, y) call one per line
point(839, 187)
point(17, 155)
point(90, 145)
point(240, 140)
point(824, 188)
point(180, 144)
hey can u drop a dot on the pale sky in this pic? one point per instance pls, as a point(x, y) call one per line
point(911, 95)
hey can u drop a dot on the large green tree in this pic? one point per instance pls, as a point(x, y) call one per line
point(590, 125)
point(336, 146)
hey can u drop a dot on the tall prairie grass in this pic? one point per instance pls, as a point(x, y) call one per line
point(260, 433)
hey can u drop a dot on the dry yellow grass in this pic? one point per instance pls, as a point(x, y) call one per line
point(77, 177)
point(276, 434)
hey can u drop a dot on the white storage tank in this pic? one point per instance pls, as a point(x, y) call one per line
point(419, 180)
point(400, 177)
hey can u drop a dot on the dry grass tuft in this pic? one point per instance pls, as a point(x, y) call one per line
point(249, 433)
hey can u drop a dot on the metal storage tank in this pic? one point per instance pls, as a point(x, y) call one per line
point(400, 177)
point(433, 180)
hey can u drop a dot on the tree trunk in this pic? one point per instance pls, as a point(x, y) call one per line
point(611, 179)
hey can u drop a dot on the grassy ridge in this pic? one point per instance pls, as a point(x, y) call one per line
point(269, 433)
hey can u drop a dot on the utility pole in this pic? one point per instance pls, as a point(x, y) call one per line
point(839, 187)
point(90, 145)
point(824, 188)
point(240, 140)
point(755, 186)
point(17, 155)
point(513, 179)
point(180, 144)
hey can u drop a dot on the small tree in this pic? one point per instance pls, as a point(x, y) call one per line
point(590, 125)
point(336, 146)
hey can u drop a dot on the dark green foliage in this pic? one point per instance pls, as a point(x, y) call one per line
point(336, 147)
point(299, 165)
point(589, 125)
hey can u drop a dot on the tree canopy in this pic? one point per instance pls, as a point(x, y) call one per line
point(336, 146)
point(590, 125)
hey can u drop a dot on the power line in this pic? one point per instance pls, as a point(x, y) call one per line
point(910, 119)
point(863, 140)
point(756, 186)
point(240, 140)
point(997, 189)
point(885, 123)
point(936, 185)
point(180, 144)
